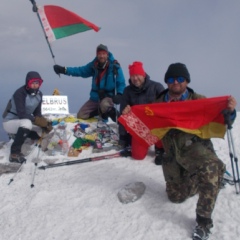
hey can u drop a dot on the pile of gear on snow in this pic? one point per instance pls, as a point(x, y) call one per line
point(70, 136)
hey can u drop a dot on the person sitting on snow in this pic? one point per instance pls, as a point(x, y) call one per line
point(190, 164)
point(108, 83)
point(23, 111)
point(141, 90)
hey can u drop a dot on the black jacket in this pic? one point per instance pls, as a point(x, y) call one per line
point(135, 96)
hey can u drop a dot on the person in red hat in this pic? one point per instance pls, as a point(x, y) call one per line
point(141, 90)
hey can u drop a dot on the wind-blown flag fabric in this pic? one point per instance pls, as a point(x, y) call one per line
point(148, 123)
point(59, 22)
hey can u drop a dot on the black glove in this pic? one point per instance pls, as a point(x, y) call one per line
point(126, 153)
point(117, 98)
point(59, 69)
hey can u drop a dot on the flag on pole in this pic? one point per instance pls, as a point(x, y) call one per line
point(150, 122)
point(59, 22)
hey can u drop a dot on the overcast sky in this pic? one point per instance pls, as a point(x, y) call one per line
point(205, 35)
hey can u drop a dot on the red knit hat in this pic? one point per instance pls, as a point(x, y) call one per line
point(136, 69)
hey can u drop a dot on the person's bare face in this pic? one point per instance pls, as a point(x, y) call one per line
point(137, 80)
point(102, 56)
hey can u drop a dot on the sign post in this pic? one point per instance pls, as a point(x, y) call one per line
point(54, 104)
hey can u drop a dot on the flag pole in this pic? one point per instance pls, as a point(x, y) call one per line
point(35, 9)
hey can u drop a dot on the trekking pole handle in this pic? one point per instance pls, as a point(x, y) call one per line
point(227, 120)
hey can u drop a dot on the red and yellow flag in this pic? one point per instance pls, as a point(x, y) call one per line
point(150, 122)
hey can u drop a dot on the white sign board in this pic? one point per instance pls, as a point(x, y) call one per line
point(55, 104)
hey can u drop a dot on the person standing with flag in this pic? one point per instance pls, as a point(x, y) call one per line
point(108, 83)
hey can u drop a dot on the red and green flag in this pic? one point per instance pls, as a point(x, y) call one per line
point(150, 122)
point(59, 22)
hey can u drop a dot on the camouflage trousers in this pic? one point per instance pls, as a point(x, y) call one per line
point(191, 170)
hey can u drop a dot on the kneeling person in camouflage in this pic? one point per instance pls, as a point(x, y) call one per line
point(190, 163)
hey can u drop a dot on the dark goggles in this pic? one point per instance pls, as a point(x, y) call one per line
point(172, 80)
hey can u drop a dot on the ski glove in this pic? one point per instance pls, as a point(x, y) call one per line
point(117, 98)
point(40, 121)
point(59, 69)
point(48, 128)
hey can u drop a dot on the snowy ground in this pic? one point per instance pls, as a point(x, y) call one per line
point(80, 201)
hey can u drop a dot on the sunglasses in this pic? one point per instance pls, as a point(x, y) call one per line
point(172, 80)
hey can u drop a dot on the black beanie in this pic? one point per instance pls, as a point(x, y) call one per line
point(102, 47)
point(177, 70)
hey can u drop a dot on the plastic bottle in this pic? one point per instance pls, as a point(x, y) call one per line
point(63, 136)
point(98, 142)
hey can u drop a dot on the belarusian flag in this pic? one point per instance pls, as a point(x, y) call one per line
point(58, 22)
point(150, 122)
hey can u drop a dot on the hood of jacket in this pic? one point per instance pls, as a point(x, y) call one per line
point(32, 75)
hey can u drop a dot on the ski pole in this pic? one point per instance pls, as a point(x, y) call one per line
point(36, 160)
point(19, 169)
point(35, 167)
point(91, 159)
point(115, 72)
point(234, 159)
point(35, 9)
point(12, 179)
point(232, 152)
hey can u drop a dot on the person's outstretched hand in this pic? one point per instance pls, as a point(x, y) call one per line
point(59, 69)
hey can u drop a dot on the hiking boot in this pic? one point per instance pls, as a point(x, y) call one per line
point(18, 158)
point(202, 230)
point(126, 152)
point(226, 179)
point(19, 139)
point(201, 233)
point(113, 114)
point(159, 156)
